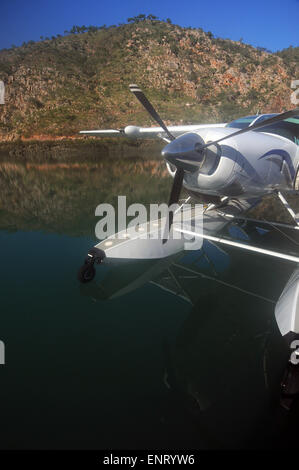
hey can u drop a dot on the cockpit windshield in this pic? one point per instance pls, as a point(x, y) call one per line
point(242, 122)
point(289, 128)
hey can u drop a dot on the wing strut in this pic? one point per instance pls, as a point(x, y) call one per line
point(288, 207)
point(259, 221)
point(243, 246)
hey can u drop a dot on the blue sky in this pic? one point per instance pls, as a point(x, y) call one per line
point(269, 23)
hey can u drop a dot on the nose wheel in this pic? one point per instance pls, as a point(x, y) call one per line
point(87, 271)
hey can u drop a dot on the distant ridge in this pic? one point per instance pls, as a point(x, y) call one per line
point(58, 86)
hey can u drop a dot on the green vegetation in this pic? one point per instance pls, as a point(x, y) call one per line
point(289, 55)
point(80, 80)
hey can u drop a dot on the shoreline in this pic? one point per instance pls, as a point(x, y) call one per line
point(90, 148)
point(41, 138)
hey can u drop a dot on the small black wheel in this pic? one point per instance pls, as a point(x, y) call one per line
point(86, 273)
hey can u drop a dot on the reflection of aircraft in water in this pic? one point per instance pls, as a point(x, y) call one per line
point(230, 326)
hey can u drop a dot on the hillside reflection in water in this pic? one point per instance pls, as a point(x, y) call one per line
point(179, 353)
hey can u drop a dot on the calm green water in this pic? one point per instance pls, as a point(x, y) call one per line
point(180, 354)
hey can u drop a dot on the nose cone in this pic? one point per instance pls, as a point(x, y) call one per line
point(182, 152)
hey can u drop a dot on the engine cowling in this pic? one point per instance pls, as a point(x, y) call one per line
point(248, 165)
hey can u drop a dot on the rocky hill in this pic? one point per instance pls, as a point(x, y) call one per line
point(58, 86)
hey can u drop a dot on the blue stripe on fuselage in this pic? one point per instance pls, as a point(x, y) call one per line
point(286, 157)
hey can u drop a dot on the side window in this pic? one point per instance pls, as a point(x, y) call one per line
point(288, 129)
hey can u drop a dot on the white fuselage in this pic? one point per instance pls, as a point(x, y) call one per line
point(253, 164)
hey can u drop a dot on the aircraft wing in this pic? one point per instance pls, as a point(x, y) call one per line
point(137, 132)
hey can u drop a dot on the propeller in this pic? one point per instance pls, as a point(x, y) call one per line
point(150, 109)
point(174, 196)
point(179, 175)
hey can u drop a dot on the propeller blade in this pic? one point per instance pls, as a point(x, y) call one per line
point(258, 125)
point(179, 176)
point(150, 109)
point(175, 195)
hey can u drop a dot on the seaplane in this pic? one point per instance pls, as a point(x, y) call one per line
point(229, 168)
